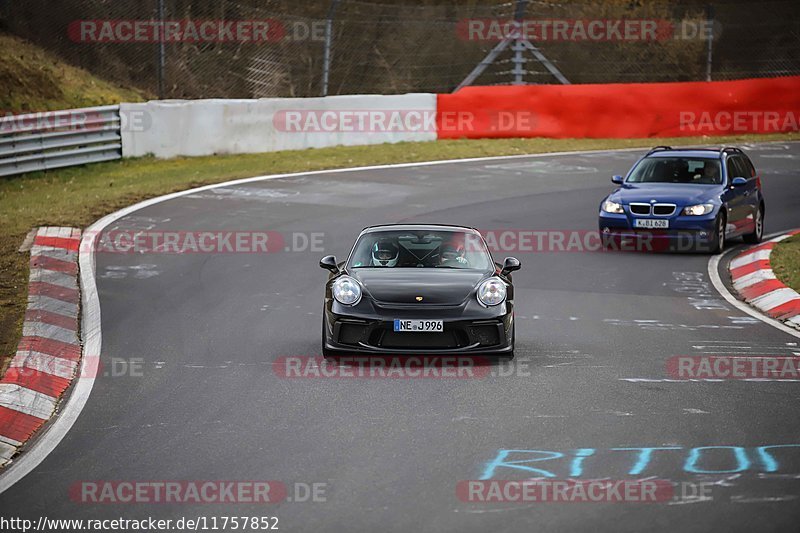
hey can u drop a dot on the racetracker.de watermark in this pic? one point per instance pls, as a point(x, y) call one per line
point(585, 30)
point(256, 31)
point(196, 492)
point(579, 491)
point(734, 367)
point(76, 121)
point(90, 367)
point(207, 242)
point(739, 121)
point(397, 367)
point(500, 241)
point(356, 120)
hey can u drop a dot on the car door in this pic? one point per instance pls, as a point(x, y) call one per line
point(753, 186)
point(736, 197)
point(749, 196)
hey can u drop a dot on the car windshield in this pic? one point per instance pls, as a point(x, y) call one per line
point(420, 249)
point(704, 171)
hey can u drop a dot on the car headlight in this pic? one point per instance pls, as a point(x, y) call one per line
point(492, 292)
point(612, 207)
point(698, 210)
point(346, 290)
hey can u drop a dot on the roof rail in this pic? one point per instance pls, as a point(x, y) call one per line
point(730, 149)
point(658, 149)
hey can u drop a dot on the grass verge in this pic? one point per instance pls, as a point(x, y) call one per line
point(785, 262)
point(78, 196)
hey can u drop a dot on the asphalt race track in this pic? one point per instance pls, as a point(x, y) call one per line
point(594, 333)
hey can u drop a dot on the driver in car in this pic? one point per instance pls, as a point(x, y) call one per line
point(709, 174)
point(385, 253)
point(453, 255)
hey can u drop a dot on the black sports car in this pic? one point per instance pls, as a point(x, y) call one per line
point(415, 288)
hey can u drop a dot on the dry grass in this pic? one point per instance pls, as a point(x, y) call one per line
point(785, 262)
point(35, 80)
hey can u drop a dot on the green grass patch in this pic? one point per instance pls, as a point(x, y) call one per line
point(785, 262)
point(36, 80)
point(78, 196)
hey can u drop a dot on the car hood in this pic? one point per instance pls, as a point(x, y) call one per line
point(674, 193)
point(442, 286)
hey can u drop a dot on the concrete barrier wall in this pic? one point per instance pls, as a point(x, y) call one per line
point(206, 127)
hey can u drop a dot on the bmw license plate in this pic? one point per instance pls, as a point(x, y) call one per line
point(432, 326)
point(650, 223)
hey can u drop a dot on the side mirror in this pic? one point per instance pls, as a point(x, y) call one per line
point(329, 263)
point(738, 182)
point(511, 264)
point(617, 179)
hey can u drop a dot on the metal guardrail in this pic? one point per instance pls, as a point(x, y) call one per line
point(57, 139)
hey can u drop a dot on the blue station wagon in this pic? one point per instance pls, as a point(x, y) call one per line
point(693, 198)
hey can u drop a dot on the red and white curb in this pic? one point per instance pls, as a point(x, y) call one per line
point(49, 351)
point(755, 281)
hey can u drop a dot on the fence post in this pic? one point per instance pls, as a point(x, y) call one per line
point(161, 50)
point(709, 39)
point(326, 60)
point(518, 47)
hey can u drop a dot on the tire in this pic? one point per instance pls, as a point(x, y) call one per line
point(719, 235)
point(758, 232)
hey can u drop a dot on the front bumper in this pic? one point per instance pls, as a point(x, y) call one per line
point(685, 233)
point(467, 329)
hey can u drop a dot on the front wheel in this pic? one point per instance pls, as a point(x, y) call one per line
point(718, 243)
point(758, 231)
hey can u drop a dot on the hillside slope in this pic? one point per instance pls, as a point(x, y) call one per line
point(32, 79)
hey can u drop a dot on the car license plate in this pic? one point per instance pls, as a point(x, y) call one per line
point(650, 223)
point(431, 326)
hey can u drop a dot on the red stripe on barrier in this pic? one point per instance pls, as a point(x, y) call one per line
point(18, 426)
point(749, 268)
point(58, 242)
point(50, 263)
point(629, 110)
point(36, 380)
point(53, 319)
point(40, 288)
point(754, 249)
point(787, 310)
point(64, 350)
point(761, 288)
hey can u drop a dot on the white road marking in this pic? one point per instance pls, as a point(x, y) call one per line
point(53, 277)
point(45, 303)
point(26, 400)
point(743, 260)
point(754, 277)
point(49, 364)
point(773, 299)
point(49, 331)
